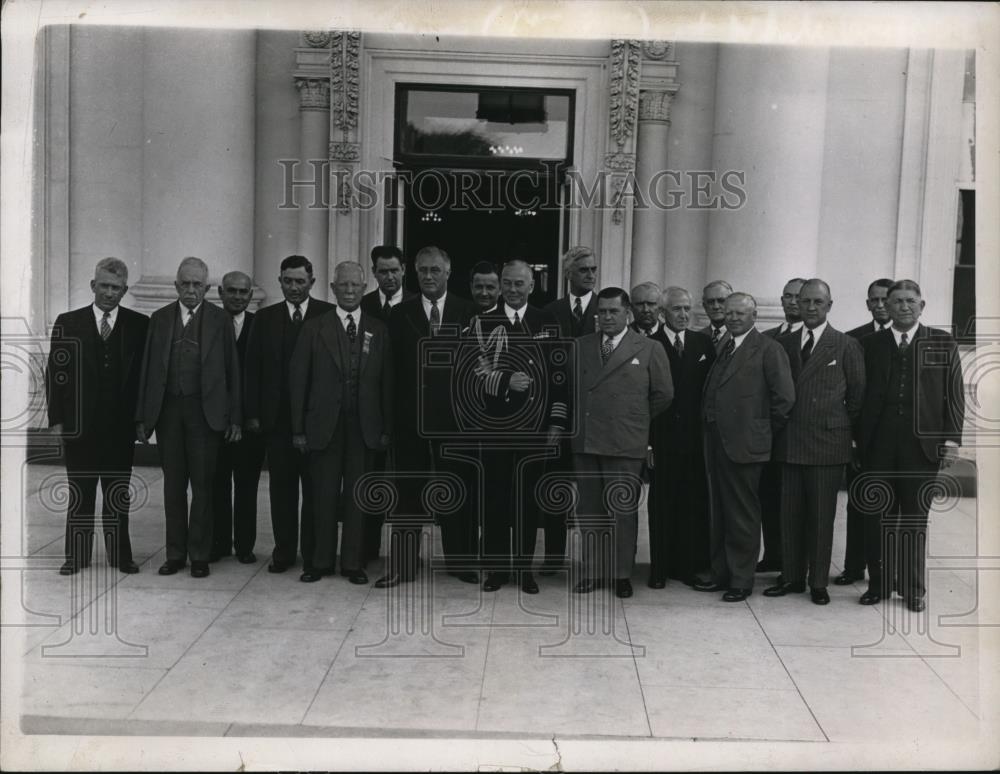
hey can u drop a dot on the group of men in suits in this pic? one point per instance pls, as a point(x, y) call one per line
point(493, 396)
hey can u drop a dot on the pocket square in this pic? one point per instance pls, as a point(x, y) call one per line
point(701, 358)
point(832, 362)
point(635, 361)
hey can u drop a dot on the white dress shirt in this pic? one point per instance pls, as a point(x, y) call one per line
point(238, 323)
point(302, 308)
point(355, 315)
point(427, 305)
point(817, 332)
point(99, 315)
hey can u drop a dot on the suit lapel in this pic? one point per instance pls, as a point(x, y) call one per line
point(740, 356)
point(624, 352)
point(330, 332)
point(818, 358)
point(165, 323)
point(208, 329)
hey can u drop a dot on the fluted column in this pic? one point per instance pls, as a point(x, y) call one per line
point(770, 121)
point(314, 104)
point(198, 156)
point(649, 230)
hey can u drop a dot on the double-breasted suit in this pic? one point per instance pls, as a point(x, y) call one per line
point(268, 363)
point(92, 385)
point(813, 448)
point(342, 402)
point(190, 393)
point(617, 401)
point(424, 424)
point(678, 494)
point(748, 396)
point(914, 402)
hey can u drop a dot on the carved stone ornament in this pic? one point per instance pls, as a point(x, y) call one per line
point(624, 89)
point(620, 162)
point(344, 78)
point(314, 93)
point(317, 38)
point(655, 106)
point(345, 151)
point(656, 49)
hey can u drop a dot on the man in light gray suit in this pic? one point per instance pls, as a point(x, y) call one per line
point(748, 396)
point(829, 372)
point(623, 382)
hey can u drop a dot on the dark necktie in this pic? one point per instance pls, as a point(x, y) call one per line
point(578, 311)
point(435, 317)
point(727, 351)
point(716, 335)
point(297, 314)
point(188, 316)
point(386, 309)
point(678, 344)
point(903, 343)
point(517, 327)
point(352, 329)
point(106, 326)
point(807, 348)
point(606, 350)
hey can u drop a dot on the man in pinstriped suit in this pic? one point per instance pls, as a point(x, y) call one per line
point(829, 373)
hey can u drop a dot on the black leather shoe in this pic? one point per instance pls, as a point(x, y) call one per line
point(390, 580)
point(847, 578)
point(623, 588)
point(528, 585)
point(466, 576)
point(916, 604)
point(171, 566)
point(736, 595)
point(70, 568)
point(276, 566)
point(199, 570)
point(313, 574)
point(129, 567)
point(784, 588)
point(494, 581)
point(870, 597)
point(708, 586)
point(357, 577)
point(819, 596)
point(247, 558)
point(656, 583)
point(584, 587)
point(767, 567)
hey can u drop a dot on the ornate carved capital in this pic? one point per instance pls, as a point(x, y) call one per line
point(344, 78)
point(625, 62)
point(317, 38)
point(619, 162)
point(655, 105)
point(314, 93)
point(656, 49)
point(345, 151)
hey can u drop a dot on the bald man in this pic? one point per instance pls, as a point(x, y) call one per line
point(237, 469)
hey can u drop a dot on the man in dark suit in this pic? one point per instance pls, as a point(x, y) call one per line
point(189, 393)
point(526, 402)
point(341, 408)
point(424, 419)
point(268, 409)
point(829, 373)
point(678, 492)
point(748, 397)
point(623, 383)
point(713, 301)
point(911, 426)
point(576, 314)
point(237, 470)
point(389, 267)
point(854, 551)
point(91, 384)
point(484, 286)
point(770, 477)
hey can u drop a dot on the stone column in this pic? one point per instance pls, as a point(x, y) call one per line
point(198, 156)
point(314, 106)
point(770, 118)
point(649, 229)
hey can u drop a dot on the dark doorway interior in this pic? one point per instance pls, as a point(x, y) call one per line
point(963, 316)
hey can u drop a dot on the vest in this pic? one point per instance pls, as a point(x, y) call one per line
point(900, 395)
point(184, 367)
point(109, 377)
point(351, 355)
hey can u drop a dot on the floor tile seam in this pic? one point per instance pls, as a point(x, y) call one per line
point(947, 685)
point(788, 672)
point(638, 677)
point(486, 661)
point(340, 647)
point(193, 642)
point(41, 548)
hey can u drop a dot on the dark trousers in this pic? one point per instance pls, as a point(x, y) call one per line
point(896, 537)
point(854, 551)
point(734, 502)
point(234, 496)
point(609, 538)
point(188, 452)
point(808, 508)
point(90, 461)
point(334, 472)
point(678, 516)
point(509, 508)
point(374, 521)
point(770, 513)
point(288, 468)
point(554, 523)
